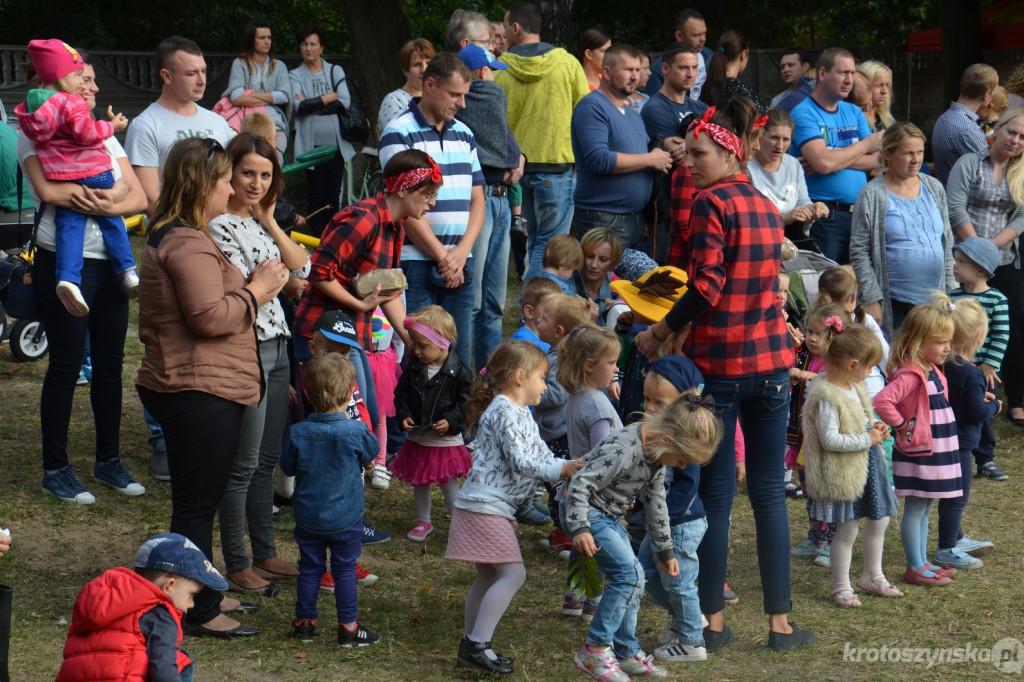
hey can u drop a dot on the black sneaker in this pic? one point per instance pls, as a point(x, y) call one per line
point(778, 641)
point(304, 629)
point(358, 637)
point(992, 472)
point(714, 641)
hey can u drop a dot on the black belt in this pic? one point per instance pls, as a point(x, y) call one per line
point(552, 168)
point(496, 190)
point(834, 206)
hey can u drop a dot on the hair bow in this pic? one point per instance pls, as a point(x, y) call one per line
point(699, 401)
point(952, 307)
point(413, 177)
point(835, 324)
point(483, 371)
point(759, 123)
point(577, 330)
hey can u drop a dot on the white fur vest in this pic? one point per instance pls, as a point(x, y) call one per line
point(834, 476)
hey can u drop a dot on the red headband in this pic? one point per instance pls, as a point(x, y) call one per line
point(411, 178)
point(719, 135)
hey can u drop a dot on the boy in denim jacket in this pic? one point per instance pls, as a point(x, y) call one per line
point(326, 455)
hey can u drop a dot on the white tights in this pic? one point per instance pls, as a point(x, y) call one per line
point(842, 550)
point(489, 597)
point(421, 496)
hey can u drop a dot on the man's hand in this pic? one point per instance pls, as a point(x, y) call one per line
point(659, 160)
point(676, 148)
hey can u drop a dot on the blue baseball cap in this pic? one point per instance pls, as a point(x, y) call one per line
point(337, 327)
point(679, 371)
point(477, 57)
point(175, 553)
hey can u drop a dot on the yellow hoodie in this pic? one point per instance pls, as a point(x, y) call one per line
point(542, 90)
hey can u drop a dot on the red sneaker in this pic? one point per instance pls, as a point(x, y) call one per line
point(327, 582)
point(364, 578)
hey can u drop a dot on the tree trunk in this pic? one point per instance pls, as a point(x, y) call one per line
point(556, 23)
point(961, 42)
point(377, 30)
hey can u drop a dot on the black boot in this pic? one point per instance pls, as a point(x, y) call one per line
point(5, 631)
point(504, 660)
point(472, 655)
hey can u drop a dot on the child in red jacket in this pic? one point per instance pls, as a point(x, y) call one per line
point(127, 624)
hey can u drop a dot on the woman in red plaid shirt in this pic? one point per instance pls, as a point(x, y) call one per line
point(737, 338)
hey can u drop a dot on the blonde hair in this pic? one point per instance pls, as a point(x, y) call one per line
point(587, 343)
point(192, 169)
point(563, 251)
point(328, 381)
point(538, 288)
point(601, 235)
point(259, 124)
point(1015, 169)
point(850, 342)
point(895, 135)
point(969, 323)
point(837, 285)
point(567, 311)
point(438, 319)
point(501, 368)
point(999, 102)
point(684, 427)
point(872, 70)
point(923, 322)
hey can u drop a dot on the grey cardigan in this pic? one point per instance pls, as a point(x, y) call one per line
point(961, 182)
point(867, 244)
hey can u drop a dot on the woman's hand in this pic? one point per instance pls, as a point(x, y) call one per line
point(648, 343)
point(820, 210)
point(375, 298)
point(800, 214)
point(267, 280)
point(95, 202)
point(584, 544)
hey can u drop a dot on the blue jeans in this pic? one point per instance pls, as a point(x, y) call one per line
point(951, 509)
point(762, 403)
point(106, 325)
point(678, 595)
point(490, 277)
point(629, 226)
point(70, 235)
point(458, 302)
point(547, 208)
point(156, 432)
point(364, 377)
point(615, 620)
point(832, 235)
point(345, 547)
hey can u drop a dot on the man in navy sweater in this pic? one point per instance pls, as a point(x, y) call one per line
point(614, 168)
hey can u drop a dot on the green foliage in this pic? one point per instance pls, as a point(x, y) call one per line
point(429, 18)
point(584, 576)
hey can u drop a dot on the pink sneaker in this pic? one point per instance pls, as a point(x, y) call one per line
point(420, 531)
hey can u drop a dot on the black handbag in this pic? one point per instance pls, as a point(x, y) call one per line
point(355, 124)
point(16, 292)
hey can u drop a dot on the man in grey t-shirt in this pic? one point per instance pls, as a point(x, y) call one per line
point(174, 116)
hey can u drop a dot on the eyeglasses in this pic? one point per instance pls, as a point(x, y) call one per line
point(485, 43)
point(429, 196)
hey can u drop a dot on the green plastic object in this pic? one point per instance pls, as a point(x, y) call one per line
point(310, 159)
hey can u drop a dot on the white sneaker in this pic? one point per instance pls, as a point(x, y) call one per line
point(131, 283)
point(381, 478)
point(677, 651)
point(670, 634)
point(71, 296)
point(641, 665)
point(601, 665)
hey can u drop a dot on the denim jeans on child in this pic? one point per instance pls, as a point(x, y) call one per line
point(345, 549)
point(70, 235)
point(615, 620)
point(678, 595)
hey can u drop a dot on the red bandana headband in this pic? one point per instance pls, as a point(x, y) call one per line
point(411, 178)
point(719, 135)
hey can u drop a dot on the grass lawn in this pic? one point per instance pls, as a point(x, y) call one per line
point(417, 604)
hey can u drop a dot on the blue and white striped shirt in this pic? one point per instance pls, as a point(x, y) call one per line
point(453, 148)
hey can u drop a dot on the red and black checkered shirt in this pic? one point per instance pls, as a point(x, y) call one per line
point(735, 250)
point(359, 238)
point(683, 189)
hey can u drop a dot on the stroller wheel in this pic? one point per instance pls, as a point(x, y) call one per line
point(28, 340)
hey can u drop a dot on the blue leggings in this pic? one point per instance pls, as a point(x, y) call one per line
point(914, 530)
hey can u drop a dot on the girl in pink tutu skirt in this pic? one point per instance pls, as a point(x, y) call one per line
point(508, 460)
point(430, 404)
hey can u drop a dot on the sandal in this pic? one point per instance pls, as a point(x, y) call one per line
point(879, 586)
point(845, 598)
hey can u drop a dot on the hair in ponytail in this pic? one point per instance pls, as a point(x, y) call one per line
point(731, 45)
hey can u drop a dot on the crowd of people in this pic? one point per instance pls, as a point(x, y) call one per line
point(657, 327)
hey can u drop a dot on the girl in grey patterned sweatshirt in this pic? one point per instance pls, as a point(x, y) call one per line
point(626, 464)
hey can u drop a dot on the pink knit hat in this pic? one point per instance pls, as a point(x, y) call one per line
point(54, 59)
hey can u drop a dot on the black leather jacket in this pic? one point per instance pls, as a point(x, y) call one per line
point(428, 401)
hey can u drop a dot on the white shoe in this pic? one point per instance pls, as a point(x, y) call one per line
point(71, 296)
point(381, 478)
point(131, 283)
point(670, 634)
point(678, 652)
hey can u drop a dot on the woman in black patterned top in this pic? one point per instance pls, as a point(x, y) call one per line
point(724, 71)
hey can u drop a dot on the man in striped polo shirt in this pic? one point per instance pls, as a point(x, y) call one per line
point(438, 245)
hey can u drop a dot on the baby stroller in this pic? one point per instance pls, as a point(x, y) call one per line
point(26, 335)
